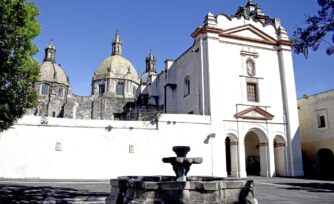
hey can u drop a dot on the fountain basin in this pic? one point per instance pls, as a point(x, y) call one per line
point(195, 190)
point(181, 151)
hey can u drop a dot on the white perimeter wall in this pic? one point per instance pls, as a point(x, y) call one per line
point(90, 151)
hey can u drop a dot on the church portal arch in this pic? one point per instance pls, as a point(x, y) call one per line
point(326, 164)
point(231, 153)
point(256, 153)
point(279, 155)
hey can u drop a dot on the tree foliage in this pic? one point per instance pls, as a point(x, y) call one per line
point(18, 69)
point(318, 26)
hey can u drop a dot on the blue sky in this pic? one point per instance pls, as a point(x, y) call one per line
point(83, 31)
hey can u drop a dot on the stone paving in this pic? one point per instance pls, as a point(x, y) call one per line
point(291, 190)
point(267, 190)
point(53, 192)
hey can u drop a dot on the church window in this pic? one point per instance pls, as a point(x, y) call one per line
point(61, 92)
point(321, 121)
point(252, 92)
point(120, 88)
point(186, 90)
point(322, 118)
point(102, 89)
point(45, 89)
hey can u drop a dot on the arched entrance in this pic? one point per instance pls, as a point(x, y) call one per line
point(326, 164)
point(256, 153)
point(231, 148)
point(279, 154)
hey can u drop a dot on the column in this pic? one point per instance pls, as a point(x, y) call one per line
point(279, 149)
point(242, 161)
point(263, 146)
point(271, 158)
point(234, 158)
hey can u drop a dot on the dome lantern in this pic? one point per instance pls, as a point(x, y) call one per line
point(116, 45)
point(150, 63)
point(50, 52)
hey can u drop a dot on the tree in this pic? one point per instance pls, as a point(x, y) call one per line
point(18, 69)
point(318, 26)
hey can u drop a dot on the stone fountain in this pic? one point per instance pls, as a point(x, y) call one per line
point(181, 164)
point(180, 189)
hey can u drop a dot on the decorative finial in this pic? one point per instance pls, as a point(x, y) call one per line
point(51, 44)
point(151, 55)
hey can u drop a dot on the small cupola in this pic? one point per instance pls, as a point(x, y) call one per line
point(116, 45)
point(251, 7)
point(50, 52)
point(251, 10)
point(150, 63)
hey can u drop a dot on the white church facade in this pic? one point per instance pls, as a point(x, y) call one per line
point(230, 97)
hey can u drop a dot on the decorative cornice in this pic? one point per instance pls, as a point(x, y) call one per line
point(279, 144)
point(249, 27)
point(204, 30)
point(263, 144)
point(233, 143)
point(228, 34)
point(285, 42)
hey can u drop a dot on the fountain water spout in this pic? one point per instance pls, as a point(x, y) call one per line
point(181, 164)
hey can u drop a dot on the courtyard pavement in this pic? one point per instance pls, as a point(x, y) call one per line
point(267, 190)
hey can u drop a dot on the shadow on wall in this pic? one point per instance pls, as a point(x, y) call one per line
point(10, 194)
point(322, 167)
point(297, 154)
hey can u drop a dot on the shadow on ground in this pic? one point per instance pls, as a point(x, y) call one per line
point(15, 194)
point(312, 187)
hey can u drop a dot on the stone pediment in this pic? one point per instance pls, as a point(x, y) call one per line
point(249, 32)
point(254, 113)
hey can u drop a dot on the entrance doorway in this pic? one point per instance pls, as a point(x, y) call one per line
point(326, 164)
point(231, 152)
point(256, 156)
point(279, 154)
point(228, 156)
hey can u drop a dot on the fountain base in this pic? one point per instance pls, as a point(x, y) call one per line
point(164, 189)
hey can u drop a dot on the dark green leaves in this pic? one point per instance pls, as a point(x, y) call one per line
point(18, 69)
point(318, 26)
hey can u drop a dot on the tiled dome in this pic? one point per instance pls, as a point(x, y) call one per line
point(52, 72)
point(117, 65)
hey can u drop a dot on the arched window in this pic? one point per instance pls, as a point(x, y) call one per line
point(44, 90)
point(61, 91)
point(120, 88)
